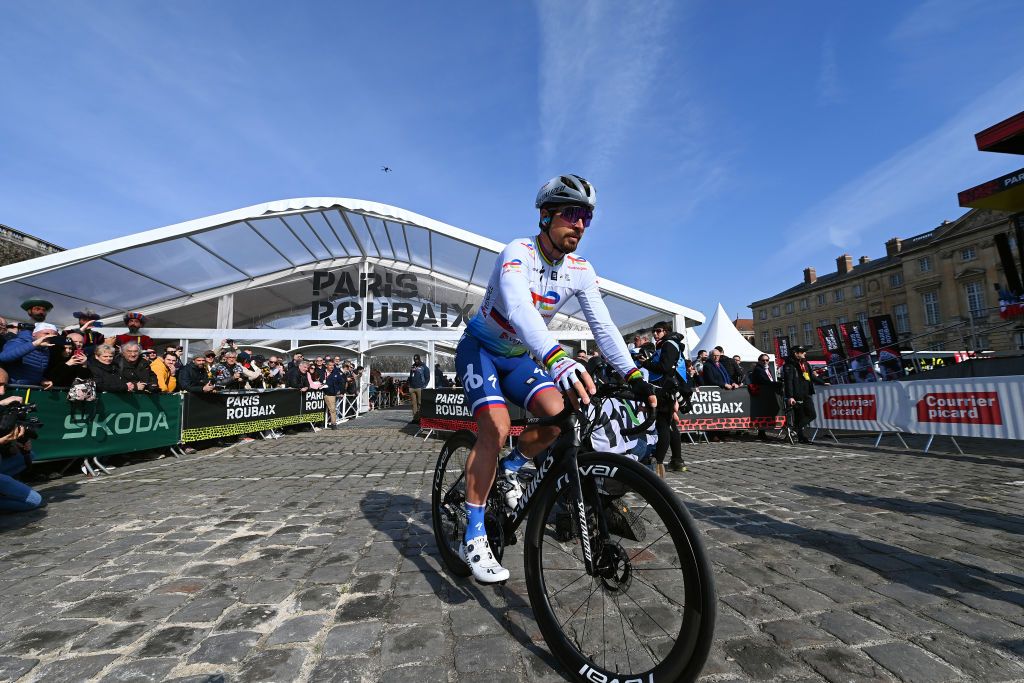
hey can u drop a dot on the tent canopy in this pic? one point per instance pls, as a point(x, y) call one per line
point(720, 331)
point(262, 258)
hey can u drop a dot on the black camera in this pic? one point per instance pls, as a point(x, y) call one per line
point(20, 415)
point(22, 326)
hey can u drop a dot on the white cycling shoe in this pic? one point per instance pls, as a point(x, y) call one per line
point(476, 553)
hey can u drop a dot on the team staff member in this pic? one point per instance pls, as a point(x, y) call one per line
point(532, 279)
point(662, 366)
point(798, 386)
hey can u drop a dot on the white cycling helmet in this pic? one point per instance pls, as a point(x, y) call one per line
point(567, 189)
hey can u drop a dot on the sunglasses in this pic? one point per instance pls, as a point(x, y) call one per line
point(576, 213)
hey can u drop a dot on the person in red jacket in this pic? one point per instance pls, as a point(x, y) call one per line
point(135, 322)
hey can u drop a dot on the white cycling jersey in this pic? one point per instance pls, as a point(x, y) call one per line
point(525, 292)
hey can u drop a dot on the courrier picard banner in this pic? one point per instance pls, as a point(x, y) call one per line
point(988, 407)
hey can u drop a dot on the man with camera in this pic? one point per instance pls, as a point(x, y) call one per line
point(15, 454)
point(27, 356)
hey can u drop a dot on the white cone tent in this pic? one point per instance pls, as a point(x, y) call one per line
point(692, 340)
point(720, 331)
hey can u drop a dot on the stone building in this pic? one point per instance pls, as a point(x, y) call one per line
point(18, 246)
point(937, 286)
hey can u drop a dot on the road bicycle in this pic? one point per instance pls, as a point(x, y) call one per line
point(616, 572)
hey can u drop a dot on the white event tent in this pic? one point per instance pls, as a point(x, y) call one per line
point(720, 331)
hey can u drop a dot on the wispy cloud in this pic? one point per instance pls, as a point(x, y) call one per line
point(598, 62)
point(924, 174)
point(829, 89)
point(933, 18)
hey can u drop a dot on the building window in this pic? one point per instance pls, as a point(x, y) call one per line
point(930, 300)
point(791, 331)
point(775, 311)
point(821, 299)
point(902, 318)
point(975, 294)
point(823, 322)
point(789, 308)
point(862, 318)
point(764, 340)
point(808, 334)
point(968, 254)
point(839, 295)
point(778, 331)
point(896, 280)
point(841, 320)
point(763, 314)
point(924, 264)
point(1020, 339)
point(858, 290)
point(805, 304)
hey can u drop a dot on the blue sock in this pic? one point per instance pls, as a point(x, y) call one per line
point(514, 461)
point(475, 521)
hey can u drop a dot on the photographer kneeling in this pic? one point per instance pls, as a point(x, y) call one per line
point(15, 456)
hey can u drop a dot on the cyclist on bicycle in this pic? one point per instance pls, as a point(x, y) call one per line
point(532, 279)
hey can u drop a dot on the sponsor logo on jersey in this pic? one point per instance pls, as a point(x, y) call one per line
point(515, 265)
point(576, 262)
point(546, 302)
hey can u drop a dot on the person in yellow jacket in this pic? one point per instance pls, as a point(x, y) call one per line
point(165, 370)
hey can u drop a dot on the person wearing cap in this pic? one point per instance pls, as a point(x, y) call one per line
point(87, 322)
point(37, 309)
point(27, 356)
point(798, 382)
point(135, 322)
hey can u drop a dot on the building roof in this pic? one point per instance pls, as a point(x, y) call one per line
point(744, 324)
point(200, 260)
point(969, 221)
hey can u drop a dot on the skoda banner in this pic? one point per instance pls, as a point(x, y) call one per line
point(211, 416)
point(114, 423)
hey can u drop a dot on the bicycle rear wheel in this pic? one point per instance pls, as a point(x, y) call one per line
point(648, 612)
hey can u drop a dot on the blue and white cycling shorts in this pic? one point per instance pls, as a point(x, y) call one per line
point(488, 379)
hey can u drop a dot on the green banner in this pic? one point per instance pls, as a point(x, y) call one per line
point(114, 423)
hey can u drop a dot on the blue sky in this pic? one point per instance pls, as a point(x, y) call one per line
point(732, 144)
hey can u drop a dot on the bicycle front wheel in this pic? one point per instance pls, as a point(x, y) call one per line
point(647, 611)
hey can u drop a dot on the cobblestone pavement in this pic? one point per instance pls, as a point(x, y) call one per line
point(311, 559)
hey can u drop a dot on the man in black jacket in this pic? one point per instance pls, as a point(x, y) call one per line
point(135, 370)
point(764, 375)
point(193, 378)
point(662, 369)
point(798, 382)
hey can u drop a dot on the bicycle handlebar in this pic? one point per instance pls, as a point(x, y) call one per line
point(604, 391)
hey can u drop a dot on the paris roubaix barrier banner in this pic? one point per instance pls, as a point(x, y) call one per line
point(446, 410)
point(211, 416)
point(985, 407)
point(113, 423)
point(753, 407)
